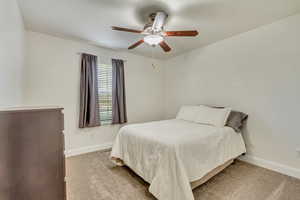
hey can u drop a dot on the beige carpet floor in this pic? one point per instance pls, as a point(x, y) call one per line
point(93, 177)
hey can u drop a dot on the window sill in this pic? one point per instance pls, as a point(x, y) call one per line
point(110, 124)
point(106, 123)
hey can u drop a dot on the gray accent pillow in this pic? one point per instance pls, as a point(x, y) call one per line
point(236, 120)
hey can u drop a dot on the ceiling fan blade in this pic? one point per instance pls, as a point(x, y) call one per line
point(136, 44)
point(165, 46)
point(125, 29)
point(181, 33)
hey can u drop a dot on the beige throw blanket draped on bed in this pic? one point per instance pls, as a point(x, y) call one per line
point(172, 153)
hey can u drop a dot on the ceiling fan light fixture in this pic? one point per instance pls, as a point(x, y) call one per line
point(153, 39)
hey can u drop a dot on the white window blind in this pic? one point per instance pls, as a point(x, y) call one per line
point(105, 93)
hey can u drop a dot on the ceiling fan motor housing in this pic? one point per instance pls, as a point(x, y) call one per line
point(156, 22)
point(159, 21)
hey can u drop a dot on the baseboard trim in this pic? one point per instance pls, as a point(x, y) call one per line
point(88, 149)
point(283, 169)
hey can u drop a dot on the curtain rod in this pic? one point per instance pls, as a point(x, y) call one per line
point(79, 53)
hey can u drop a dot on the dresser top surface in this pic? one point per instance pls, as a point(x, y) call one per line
point(28, 108)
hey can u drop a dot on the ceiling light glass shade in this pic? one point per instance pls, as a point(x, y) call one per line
point(153, 39)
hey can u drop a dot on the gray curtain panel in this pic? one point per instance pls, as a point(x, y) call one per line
point(89, 106)
point(119, 114)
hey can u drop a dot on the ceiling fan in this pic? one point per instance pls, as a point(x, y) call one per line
point(154, 32)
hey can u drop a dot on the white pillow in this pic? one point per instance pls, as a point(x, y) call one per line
point(212, 116)
point(187, 113)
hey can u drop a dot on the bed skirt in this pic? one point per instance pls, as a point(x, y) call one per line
point(210, 174)
point(196, 183)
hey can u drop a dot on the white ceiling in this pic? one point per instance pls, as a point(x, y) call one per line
point(90, 20)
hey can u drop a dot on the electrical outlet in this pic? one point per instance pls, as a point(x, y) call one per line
point(298, 151)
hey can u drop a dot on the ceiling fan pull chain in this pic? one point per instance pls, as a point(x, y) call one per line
point(152, 57)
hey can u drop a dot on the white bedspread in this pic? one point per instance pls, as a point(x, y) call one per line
point(172, 153)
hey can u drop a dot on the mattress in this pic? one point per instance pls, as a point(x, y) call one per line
point(171, 154)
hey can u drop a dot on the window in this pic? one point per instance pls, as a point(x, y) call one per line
point(105, 93)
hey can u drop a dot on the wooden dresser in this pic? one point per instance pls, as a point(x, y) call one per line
point(32, 163)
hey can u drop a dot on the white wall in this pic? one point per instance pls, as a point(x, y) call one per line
point(257, 72)
point(11, 53)
point(52, 78)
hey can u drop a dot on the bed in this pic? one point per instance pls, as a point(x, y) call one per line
point(175, 156)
